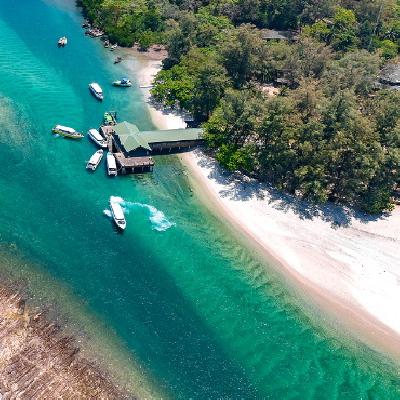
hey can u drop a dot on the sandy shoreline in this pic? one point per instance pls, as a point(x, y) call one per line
point(144, 66)
point(346, 263)
point(348, 270)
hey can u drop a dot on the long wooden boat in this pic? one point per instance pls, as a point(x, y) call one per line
point(67, 132)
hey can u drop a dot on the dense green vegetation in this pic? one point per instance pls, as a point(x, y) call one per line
point(329, 134)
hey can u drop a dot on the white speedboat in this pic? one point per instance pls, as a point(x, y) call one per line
point(111, 165)
point(96, 90)
point(63, 41)
point(95, 160)
point(118, 215)
point(67, 132)
point(94, 134)
point(124, 82)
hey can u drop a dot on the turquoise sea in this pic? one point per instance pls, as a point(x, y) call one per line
point(176, 299)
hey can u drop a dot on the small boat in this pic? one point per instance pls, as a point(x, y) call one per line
point(67, 132)
point(110, 118)
point(118, 215)
point(111, 164)
point(124, 82)
point(106, 44)
point(63, 41)
point(117, 60)
point(94, 134)
point(113, 47)
point(96, 90)
point(94, 160)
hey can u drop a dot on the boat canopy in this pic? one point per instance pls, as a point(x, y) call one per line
point(95, 86)
point(95, 133)
point(117, 211)
point(95, 157)
point(111, 161)
point(65, 128)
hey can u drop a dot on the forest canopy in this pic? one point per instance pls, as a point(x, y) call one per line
point(327, 131)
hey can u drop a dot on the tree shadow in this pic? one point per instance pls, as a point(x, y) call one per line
point(240, 187)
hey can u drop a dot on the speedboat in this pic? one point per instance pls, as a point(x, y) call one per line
point(63, 41)
point(110, 118)
point(94, 160)
point(96, 90)
point(111, 164)
point(118, 215)
point(67, 132)
point(124, 82)
point(113, 47)
point(94, 134)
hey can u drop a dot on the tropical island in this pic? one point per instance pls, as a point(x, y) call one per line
point(280, 253)
point(287, 92)
point(298, 101)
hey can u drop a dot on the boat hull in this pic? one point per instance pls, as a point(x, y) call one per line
point(95, 163)
point(118, 84)
point(119, 221)
point(93, 139)
point(99, 97)
point(75, 136)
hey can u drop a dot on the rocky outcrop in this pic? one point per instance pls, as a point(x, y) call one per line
point(38, 362)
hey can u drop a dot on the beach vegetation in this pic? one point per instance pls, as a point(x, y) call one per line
point(329, 131)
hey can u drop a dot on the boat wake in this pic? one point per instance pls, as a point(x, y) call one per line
point(159, 221)
point(107, 213)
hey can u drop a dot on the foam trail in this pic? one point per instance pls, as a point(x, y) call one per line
point(107, 213)
point(157, 218)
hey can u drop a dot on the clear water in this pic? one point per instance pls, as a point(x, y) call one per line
point(189, 305)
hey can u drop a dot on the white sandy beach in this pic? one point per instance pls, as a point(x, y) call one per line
point(350, 263)
point(347, 263)
point(145, 66)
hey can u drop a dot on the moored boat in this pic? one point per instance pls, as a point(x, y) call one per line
point(118, 214)
point(94, 160)
point(94, 134)
point(96, 90)
point(67, 132)
point(124, 82)
point(111, 165)
point(63, 41)
point(110, 118)
point(117, 60)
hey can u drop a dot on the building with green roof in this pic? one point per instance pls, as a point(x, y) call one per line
point(130, 141)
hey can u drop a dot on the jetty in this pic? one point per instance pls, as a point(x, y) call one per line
point(133, 149)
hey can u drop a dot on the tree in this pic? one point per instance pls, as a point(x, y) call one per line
point(306, 59)
point(343, 31)
point(388, 49)
point(232, 126)
point(240, 53)
point(356, 70)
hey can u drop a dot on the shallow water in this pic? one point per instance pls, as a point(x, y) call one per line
point(193, 309)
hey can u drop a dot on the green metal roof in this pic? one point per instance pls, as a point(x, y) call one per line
point(130, 137)
point(172, 135)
